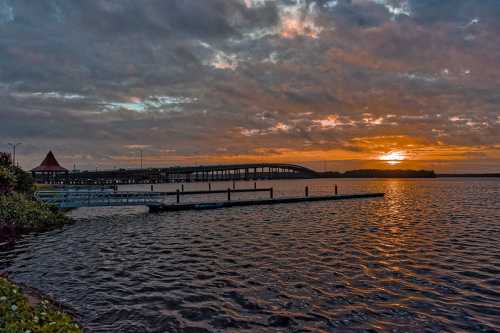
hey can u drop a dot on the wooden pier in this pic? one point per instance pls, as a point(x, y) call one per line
point(71, 199)
point(108, 197)
point(240, 203)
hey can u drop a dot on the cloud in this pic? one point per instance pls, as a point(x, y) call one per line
point(235, 79)
point(396, 7)
point(6, 12)
point(300, 20)
point(151, 103)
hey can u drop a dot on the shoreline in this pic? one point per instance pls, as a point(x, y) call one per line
point(10, 233)
point(27, 309)
point(35, 297)
point(8, 236)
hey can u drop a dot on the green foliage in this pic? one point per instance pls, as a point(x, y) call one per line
point(17, 316)
point(26, 214)
point(7, 180)
point(22, 181)
point(19, 212)
point(5, 159)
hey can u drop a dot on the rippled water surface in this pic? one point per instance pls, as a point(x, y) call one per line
point(424, 258)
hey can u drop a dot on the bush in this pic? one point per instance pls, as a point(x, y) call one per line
point(17, 316)
point(5, 159)
point(7, 180)
point(23, 182)
point(27, 215)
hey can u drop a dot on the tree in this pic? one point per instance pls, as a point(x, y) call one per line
point(7, 180)
point(5, 160)
point(23, 182)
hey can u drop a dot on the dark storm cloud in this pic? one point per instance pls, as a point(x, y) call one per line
point(191, 77)
point(101, 42)
point(435, 11)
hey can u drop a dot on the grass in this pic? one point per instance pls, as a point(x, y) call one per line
point(18, 316)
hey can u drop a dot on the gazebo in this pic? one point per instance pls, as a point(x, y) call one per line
point(48, 168)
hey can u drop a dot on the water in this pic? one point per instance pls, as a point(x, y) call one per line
point(425, 258)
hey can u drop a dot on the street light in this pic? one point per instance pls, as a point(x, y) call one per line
point(14, 145)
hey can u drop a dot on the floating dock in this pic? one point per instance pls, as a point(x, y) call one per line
point(257, 202)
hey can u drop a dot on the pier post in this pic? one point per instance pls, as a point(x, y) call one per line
point(182, 187)
point(254, 185)
point(271, 193)
point(152, 188)
point(336, 190)
point(307, 191)
point(228, 194)
point(178, 196)
point(210, 186)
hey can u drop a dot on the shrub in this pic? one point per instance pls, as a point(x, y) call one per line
point(23, 182)
point(17, 316)
point(25, 214)
point(7, 180)
point(5, 159)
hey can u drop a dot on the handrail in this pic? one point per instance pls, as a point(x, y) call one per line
point(73, 199)
point(65, 199)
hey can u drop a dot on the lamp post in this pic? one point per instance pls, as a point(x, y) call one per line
point(14, 145)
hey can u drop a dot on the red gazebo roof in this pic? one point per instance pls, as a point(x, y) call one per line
point(50, 164)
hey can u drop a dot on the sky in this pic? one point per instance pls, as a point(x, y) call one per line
point(338, 85)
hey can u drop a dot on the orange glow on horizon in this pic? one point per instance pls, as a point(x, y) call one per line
point(382, 152)
point(394, 157)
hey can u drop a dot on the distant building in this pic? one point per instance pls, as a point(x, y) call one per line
point(48, 168)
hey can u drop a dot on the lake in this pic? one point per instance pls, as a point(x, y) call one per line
point(424, 258)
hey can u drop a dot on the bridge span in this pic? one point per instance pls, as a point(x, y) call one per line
point(207, 173)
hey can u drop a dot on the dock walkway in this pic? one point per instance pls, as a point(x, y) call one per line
point(71, 199)
point(257, 202)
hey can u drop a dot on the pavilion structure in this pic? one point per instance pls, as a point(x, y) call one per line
point(48, 169)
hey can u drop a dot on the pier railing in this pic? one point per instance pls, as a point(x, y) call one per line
point(76, 199)
point(69, 199)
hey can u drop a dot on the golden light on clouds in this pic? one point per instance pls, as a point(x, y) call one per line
point(393, 157)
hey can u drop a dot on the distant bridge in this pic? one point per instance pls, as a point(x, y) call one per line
point(256, 171)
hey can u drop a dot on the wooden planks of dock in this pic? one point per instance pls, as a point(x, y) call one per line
point(240, 203)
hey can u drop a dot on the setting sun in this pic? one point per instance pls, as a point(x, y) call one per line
point(393, 157)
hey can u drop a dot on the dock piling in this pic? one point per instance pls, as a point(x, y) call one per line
point(307, 191)
point(152, 188)
point(255, 185)
point(258, 202)
point(178, 196)
point(234, 184)
point(182, 187)
point(210, 186)
point(271, 193)
point(228, 194)
point(336, 190)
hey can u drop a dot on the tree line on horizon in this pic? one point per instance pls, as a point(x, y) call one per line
point(378, 173)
